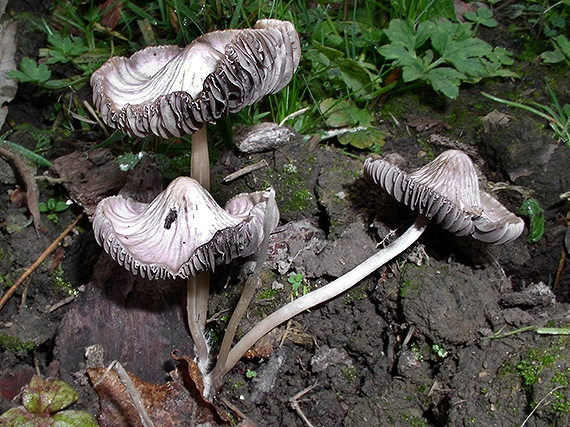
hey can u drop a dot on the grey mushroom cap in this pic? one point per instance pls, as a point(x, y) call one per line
point(182, 231)
point(171, 91)
point(446, 191)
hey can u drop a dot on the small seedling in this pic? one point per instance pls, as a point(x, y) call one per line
point(52, 208)
point(439, 351)
point(44, 403)
point(297, 282)
point(251, 374)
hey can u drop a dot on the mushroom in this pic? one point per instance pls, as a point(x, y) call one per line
point(181, 232)
point(171, 91)
point(445, 190)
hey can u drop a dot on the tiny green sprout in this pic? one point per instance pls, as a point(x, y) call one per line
point(439, 351)
point(298, 284)
point(295, 279)
point(531, 209)
point(44, 403)
point(250, 373)
point(52, 207)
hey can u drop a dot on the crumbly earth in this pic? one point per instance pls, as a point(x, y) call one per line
point(445, 335)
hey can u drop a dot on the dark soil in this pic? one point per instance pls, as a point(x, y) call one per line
point(424, 341)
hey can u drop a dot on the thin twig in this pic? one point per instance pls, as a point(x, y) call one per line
point(36, 264)
point(131, 391)
point(539, 403)
point(245, 170)
point(294, 402)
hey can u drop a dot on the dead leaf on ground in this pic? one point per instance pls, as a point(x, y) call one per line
point(111, 11)
point(8, 87)
point(493, 119)
point(178, 403)
point(427, 125)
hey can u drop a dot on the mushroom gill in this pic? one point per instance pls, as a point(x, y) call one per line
point(182, 231)
point(171, 91)
point(446, 190)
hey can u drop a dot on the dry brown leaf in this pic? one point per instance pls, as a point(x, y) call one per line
point(178, 403)
point(493, 119)
point(8, 87)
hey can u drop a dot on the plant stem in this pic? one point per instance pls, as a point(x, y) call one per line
point(319, 296)
point(522, 106)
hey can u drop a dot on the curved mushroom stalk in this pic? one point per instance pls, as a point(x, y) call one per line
point(445, 190)
point(316, 297)
point(182, 232)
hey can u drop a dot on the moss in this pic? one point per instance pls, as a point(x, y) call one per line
point(546, 369)
point(60, 284)
point(268, 293)
point(14, 344)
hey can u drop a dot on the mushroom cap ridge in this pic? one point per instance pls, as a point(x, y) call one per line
point(446, 190)
point(172, 91)
point(182, 231)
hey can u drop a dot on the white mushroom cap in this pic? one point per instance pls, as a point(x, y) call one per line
point(171, 91)
point(182, 231)
point(447, 191)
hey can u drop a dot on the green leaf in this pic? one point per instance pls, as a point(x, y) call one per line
point(71, 418)
point(18, 417)
point(564, 44)
point(356, 77)
point(553, 56)
point(61, 206)
point(344, 113)
point(531, 209)
point(364, 139)
point(34, 157)
point(30, 72)
point(446, 80)
point(483, 16)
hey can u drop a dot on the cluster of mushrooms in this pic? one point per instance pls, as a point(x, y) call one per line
point(171, 91)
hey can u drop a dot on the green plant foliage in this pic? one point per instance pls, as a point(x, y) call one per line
point(52, 207)
point(531, 209)
point(422, 10)
point(483, 17)
point(44, 403)
point(560, 53)
point(558, 115)
point(443, 55)
point(30, 72)
point(63, 49)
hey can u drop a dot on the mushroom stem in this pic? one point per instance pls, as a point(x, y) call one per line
point(200, 159)
point(199, 286)
point(271, 217)
point(198, 291)
point(318, 296)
